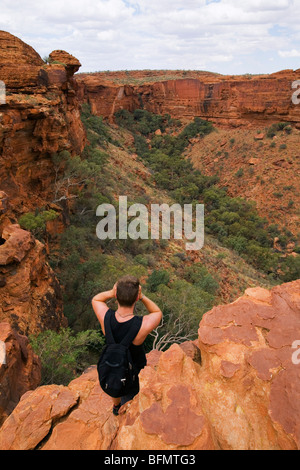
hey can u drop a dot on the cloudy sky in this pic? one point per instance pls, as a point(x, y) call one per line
point(225, 36)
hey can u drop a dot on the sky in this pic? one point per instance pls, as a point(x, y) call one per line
point(224, 36)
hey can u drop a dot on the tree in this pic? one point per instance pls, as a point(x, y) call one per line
point(157, 278)
point(183, 305)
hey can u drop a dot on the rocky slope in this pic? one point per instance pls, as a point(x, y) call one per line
point(252, 165)
point(230, 101)
point(235, 388)
point(242, 108)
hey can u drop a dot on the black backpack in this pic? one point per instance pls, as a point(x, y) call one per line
point(116, 371)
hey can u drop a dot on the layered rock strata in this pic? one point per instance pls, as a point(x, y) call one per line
point(230, 101)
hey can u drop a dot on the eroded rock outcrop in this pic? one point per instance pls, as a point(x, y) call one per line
point(30, 295)
point(225, 100)
point(252, 386)
point(40, 117)
point(242, 394)
point(20, 369)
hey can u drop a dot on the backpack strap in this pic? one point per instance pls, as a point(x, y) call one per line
point(107, 326)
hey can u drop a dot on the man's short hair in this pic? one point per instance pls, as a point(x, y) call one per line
point(127, 290)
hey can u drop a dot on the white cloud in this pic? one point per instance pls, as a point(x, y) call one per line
point(291, 53)
point(226, 36)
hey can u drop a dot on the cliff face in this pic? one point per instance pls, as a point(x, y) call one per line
point(20, 369)
point(41, 116)
point(30, 295)
point(225, 100)
point(236, 387)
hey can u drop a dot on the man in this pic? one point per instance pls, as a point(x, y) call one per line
point(127, 291)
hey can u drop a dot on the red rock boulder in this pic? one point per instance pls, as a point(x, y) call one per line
point(242, 392)
point(20, 369)
point(30, 295)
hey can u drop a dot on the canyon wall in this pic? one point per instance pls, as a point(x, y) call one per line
point(20, 369)
point(236, 387)
point(225, 100)
point(41, 116)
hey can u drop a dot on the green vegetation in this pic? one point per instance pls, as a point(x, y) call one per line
point(239, 173)
point(36, 222)
point(65, 355)
point(86, 265)
point(279, 126)
point(234, 221)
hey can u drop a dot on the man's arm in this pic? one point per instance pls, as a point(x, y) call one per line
point(99, 304)
point(150, 321)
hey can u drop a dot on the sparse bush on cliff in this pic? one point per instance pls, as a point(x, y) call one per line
point(142, 121)
point(64, 355)
point(198, 275)
point(291, 268)
point(279, 126)
point(36, 222)
point(239, 173)
point(183, 305)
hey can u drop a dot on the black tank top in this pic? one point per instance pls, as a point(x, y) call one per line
point(119, 330)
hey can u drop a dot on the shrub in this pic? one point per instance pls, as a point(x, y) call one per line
point(36, 223)
point(198, 275)
point(291, 268)
point(63, 355)
point(157, 278)
point(239, 173)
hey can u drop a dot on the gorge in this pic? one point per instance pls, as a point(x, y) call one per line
point(234, 385)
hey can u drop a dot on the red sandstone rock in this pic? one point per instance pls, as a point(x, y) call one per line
point(257, 407)
point(20, 369)
point(168, 412)
point(72, 64)
point(30, 296)
point(244, 394)
point(41, 109)
point(14, 51)
point(34, 416)
point(225, 100)
point(260, 136)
